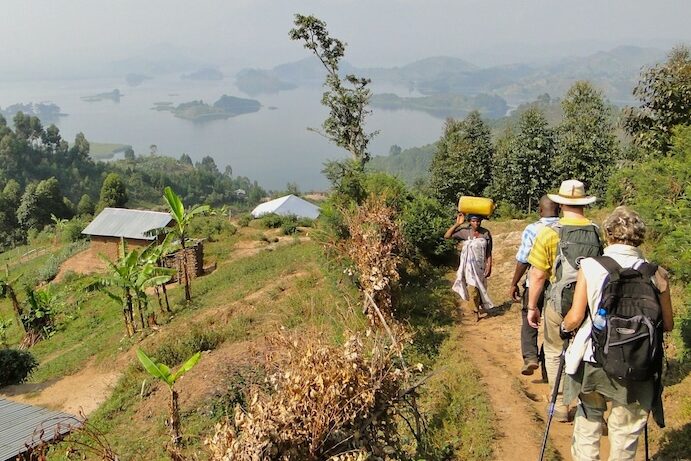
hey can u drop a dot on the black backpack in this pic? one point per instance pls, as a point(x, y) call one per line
point(575, 244)
point(629, 347)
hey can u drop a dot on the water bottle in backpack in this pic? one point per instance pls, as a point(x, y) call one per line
point(600, 319)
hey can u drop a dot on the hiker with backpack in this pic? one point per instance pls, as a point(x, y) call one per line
point(620, 308)
point(555, 257)
point(475, 262)
point(549, 216)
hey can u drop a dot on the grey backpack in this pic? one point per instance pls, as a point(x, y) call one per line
point(575, 243)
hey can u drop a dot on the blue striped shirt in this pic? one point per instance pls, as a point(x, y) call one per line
point(528, 237)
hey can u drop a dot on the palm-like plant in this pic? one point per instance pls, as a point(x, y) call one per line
point(148, 274)
point(162, 372)
point(182, 220)
point(122, 275)
point(133, 273)
point(153, 254)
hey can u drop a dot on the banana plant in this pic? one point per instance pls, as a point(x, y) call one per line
point(162, 372)
point(153, 254)
point(182, 220)
point(122, 275)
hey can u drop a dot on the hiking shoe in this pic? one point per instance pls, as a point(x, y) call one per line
point(529, 367)
point(561, 413)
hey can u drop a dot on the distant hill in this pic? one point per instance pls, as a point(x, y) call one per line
point(258, 81)
point(615, 72)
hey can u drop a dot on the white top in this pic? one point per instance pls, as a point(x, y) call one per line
point(581, 348)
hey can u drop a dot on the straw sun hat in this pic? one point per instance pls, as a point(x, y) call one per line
point(572, 192)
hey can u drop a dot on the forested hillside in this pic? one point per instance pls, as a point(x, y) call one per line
point(43, 179)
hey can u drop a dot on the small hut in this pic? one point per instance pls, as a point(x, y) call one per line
point(133, 226)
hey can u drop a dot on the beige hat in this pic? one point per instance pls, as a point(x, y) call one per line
point(572, 192)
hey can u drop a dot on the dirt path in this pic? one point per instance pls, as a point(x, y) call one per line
point(493, 343)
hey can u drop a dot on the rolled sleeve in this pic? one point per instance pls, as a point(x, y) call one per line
point(527, 240)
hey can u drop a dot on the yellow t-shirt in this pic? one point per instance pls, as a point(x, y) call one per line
point(544, 251)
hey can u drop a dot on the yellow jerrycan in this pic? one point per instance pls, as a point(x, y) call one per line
point(476, 205)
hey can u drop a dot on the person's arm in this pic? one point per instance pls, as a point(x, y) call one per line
point(514, 292)
point(577, 313)
point(460, 218)
point(667, 313)
point(537, 279)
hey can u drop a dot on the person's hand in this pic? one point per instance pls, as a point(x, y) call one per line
point(488, 272)
point(533, 317)
point(460, 218)
point(563, 334)
point(515, 293)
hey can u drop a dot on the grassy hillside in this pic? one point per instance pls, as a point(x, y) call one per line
point(256, 289)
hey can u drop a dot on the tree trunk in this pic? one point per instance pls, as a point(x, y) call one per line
point(141, 313)
point(165, 296)
point(174, 417)
point(129, 317)
point(158, 298)
point(17, 308)
point(188, 294)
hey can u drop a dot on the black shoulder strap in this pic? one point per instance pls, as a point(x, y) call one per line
point(613, 268)
point(647, 269)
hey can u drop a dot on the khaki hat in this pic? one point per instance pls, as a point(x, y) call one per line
point(572, 192)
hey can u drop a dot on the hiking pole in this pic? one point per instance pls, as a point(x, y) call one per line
point(647, 458)
point(553, 398)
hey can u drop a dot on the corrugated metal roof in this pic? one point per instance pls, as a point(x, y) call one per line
point(288, 205)
point(132, 224)
point(22, 425)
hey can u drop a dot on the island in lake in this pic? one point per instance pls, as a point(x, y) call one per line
point(114, 95)
point(225, 107)
point(444, 105)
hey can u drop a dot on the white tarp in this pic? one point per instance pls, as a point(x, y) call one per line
point(288, 205)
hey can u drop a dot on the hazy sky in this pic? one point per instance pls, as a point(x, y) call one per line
point(233, 33)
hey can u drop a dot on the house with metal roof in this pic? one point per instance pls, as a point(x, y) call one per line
point(288, 205)
point(23, 427)
point(113, 224)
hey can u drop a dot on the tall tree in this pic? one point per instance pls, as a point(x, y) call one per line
point(523, 162)
point(113, 193)
point(182, 220)
point(346, 98)
point(462, 164)
point(587, 147)
point(664, 92)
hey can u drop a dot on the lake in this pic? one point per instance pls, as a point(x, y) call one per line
point(270, 146)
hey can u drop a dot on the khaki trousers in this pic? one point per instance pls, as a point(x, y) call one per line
point(553, 346)
point(624, 425)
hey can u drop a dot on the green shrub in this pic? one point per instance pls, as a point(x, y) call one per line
point(15, 366)
point(271, 221)
point(244, 219)
point(199, 338)
point(424, 222)
point(506, 210)
point(211, 227)
point(72, 231)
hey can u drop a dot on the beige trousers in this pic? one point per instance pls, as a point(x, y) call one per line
point(553, 347)
point(624, 425)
